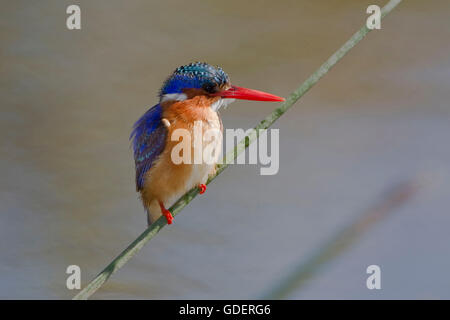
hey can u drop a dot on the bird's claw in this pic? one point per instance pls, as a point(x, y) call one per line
point(201, 188)
point(166, 213)
point(169, 217)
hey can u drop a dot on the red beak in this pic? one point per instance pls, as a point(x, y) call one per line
point(236, 92)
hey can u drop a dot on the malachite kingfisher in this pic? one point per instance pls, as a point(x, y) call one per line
point(193, 93)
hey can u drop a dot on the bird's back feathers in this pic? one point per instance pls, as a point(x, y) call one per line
point(148, 137)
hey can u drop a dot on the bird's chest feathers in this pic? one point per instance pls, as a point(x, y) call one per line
point(195, 119)
point(194, 139)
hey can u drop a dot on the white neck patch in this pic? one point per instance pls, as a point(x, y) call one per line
point(173, 96)
point(221, 103)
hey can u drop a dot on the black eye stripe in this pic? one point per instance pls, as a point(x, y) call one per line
point(210, 87)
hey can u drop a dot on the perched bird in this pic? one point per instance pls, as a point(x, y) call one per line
point(193, 93)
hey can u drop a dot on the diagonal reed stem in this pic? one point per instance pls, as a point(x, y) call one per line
point(229, 158)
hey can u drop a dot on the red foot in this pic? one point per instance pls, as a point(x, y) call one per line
point(166, 213)
point(202, 188)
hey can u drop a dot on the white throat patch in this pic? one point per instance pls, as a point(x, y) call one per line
point(221, 103)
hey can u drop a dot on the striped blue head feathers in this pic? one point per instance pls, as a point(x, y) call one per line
point(197, 75)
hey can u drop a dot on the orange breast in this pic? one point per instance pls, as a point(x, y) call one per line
point(167, 180)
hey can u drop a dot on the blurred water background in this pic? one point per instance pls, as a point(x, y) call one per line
point(70, 98)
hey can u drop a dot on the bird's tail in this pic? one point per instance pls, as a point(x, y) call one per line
point(149, 221)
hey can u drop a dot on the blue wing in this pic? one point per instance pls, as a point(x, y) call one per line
point(149, 139)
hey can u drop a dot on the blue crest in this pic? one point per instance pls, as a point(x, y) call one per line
point(194, 75)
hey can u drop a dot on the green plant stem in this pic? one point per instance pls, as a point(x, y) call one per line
point(229, 158)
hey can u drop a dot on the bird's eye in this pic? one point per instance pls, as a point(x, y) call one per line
point(209, 87)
